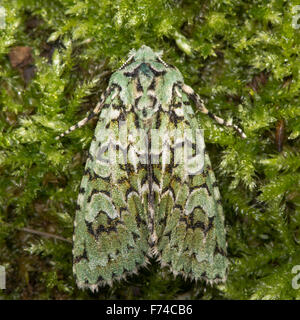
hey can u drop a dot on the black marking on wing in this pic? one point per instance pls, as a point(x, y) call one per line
point(81, 257)
point(139, 87)
point(95, 191)
point(219, 250)
point(81, 190)
point(156, 72)
point(152, 84)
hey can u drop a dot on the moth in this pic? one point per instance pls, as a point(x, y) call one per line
point(137, 200)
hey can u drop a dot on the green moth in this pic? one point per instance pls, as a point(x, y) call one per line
point(142, 195)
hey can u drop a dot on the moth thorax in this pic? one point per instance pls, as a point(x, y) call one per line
point(146, 106)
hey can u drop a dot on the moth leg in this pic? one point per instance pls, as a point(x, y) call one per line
point(200, 104)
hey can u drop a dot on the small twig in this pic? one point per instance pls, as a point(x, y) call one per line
point(45, 234)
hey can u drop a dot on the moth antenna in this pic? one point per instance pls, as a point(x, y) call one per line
point(82, 122)
point(90, 116)
point(200, 105)
point(131, 57)
point(162, 61)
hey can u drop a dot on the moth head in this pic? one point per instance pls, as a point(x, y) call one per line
point(146, 54)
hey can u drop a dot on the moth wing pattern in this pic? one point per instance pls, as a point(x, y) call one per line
point(110, 229)
point(192, 241)
point(130, 210)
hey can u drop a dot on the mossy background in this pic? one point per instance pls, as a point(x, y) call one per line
point(242, 57)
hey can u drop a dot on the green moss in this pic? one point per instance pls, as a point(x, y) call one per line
point(241, 56)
